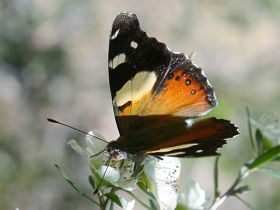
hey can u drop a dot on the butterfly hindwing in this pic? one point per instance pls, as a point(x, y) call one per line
point(203, 138)
point(174, 136)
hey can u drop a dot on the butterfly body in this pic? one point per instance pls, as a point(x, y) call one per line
point(155, 94)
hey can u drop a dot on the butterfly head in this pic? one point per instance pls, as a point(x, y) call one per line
point(114, 153)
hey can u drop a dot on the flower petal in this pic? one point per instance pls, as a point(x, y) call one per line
point(164, 173)
point(193, 196)
point(111, 175)
point(129, 205)
point(94, 144)
point(128, 185)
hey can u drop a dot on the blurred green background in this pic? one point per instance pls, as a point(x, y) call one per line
point(53, 63)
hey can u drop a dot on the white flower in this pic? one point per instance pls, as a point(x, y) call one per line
point(127, 181)
point(110, 174)
point(193, 196)
point(129, 205)
point(120, 174)
point(126, 205)
point(164, 173)
point(94, 145)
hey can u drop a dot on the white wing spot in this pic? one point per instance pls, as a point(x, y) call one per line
point(199, 151)
point(136, 88)
point(115, 34)
point(189, 123)
point(169, 149)
point(121, 58)
point(118, 59)
point(134, 44)
point(176, 153)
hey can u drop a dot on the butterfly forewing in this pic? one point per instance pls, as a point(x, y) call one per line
point(144, 73)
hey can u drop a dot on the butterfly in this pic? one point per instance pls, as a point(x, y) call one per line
point(157, 95)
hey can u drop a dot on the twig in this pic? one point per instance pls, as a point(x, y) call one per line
point(231, 191)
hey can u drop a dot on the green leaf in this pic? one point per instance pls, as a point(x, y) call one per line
point(111, 206)
point(143, 187)
point(91, 181)
point(153, 204)
point(138, 168)
point(264, 158)
point(250, 128)
point(146, 181)
point(267, 144)
point(181, 206)
point(114, 198)
point(76, 147)
point(270, 171)
point(67, 178)
point(277, 158)
point(259, 140)
point(216, 178)
point(242, 189)
point(72, 184)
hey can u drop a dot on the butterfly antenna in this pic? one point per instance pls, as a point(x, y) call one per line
point(81, 131)
point(158, 157)
point(97, 153)
point(107, 165)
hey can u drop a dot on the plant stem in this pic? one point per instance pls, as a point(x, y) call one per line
point(231, 191)
point(250, 128)
point(216, 178)
point(102, 203)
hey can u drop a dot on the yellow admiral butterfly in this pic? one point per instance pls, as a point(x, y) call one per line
point(156, 94)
